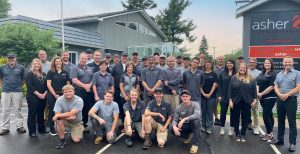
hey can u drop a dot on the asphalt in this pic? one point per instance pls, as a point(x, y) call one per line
point(14, 143)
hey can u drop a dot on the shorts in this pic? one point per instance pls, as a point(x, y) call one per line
point(76, 128)
point(157, 126)
point(135, 126)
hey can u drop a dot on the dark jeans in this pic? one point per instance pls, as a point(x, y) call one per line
point(36, 108)
point(191, 127)
point(51, 103)
point(241, 109)
point(224, 108)
point(267, 105)
point(287, 108)
point(88, 102)
point(207, 107)
point(120, 101)
point(101, 130)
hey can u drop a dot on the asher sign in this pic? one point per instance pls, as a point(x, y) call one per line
point(269, 24)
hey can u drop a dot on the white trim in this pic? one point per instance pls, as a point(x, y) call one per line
point(102, 18)
point(76, 56)
point(243, 9)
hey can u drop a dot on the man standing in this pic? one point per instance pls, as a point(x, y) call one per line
point(287, 86)
point(45, 64)
point(186, 121)
point(67, 64)
point(96, 62)
point(156, 58)
point(82, 76)
point(105, 116)
point(171, 82)
point(11, 78)
point(68, 113)
point(202, 59)
point(158, 116)
point(151, 79)
point(162, 62)
point(179, 64)
point(254, 73)
point(89, 55)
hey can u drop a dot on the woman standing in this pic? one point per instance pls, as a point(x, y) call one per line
point(208, 97)
point(242, 96)
point(36, 98)
point(102, 81)
point(267, 96)
point(128, 81)
point(224, 80)
point(56, 79)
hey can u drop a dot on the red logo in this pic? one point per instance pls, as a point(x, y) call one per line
point(296, 21)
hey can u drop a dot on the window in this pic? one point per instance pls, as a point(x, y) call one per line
point(132, 26)
point(120, 23)
point(73, 57)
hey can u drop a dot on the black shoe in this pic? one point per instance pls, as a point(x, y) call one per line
point(44, 131)
point(4, 131)
point(277, 142)
point(61, 144)
point(21, 130)
point(128, 141)
point(52, 132)
point(86, 130)
point(32, 135)
point(250, 127)
point(292, 148)
point(217, 121)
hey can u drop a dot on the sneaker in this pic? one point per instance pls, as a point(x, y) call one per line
point(243, 139)
point(271, 137)
point(128, 141)
point(203, 129)
point(189, 139)
point(53, 132)
point(61, 144)
point(147, 142)
point(255, 131)
point(217, 121)
point(98, 140)
point(4, 131)
point(237, 138)
point(250, 127)
point(222, 131)
point(86, 130)
point(230, 132)
point(208, 131)
point(194, 149)
point(21, 130)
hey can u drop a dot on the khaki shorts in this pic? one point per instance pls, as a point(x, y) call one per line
point(135, 126)
point(76, 129)
point(157, 126)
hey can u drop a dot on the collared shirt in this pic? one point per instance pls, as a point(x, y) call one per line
point(68, 67)
point(135, 114)
point(94, 66)
point(129, 82)
point(58, 80)
point(106, 111)
point(84, 75)
point(46, 67)
point(102, 83)
point(173, 76)
point(164, 109)
point(62, 106)
point(193, 83)
point(265, 80)
point(12, 78)
point(254, 73)
point(287, 82)
point(218, 70)
point(151, 76)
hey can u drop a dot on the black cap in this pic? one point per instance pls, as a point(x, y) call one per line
point(125, 54)
point(184, 92)
point(135, 53)
point(160, 90)
point(11, 55)
point(89, 51)
point(144, 58)
point(241, 58)
point(108, 55)
point(178, 57)
point(186, 58)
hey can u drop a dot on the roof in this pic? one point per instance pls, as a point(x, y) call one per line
point(101, 17)
point(73, 36)
point(254, 4)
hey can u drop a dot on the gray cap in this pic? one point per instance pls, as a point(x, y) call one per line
point(162, 56)
point(160, 90)
point(11, 55)
point(124, 54)
point(108, 55)
point(89, 51)
point(184, 92)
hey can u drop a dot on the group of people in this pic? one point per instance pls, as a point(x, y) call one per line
point(158, 95)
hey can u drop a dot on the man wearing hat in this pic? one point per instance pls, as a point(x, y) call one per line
point(186, 121)
point(162, 62)
point(116, 60)
point(158, 116)
point(179, 62)
point(89, 53)
point(11, 79)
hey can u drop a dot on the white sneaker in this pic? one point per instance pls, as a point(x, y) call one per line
point(230, 132)
point(222, 131)
point(255, 131)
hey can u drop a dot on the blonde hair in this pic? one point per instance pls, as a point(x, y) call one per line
point(38, 61)
point(134, 90)
point(68, 87)
point(248, 78)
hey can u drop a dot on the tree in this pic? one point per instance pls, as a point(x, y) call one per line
point(139, 4)
point(204, 48)
point(233, 55)
point(26, 40)
point(170, 22)
point(4, 8)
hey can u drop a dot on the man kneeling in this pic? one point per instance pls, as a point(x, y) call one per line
point(186, 121)
point(68, 113)
point(107, 118)
point(134, 116)
point(156, 113)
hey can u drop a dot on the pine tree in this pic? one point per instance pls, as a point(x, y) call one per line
point(139, 4)
point(204, 48)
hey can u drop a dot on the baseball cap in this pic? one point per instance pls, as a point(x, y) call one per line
point(89, 51)
point(178, 57)
point(135, 53)
point(125, 54)
point(162, 56)
point(107, 55)
point(186, 58)
point(184, 92)
point(11, 55)
point(158, 90)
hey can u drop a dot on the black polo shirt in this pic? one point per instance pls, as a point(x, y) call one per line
point(94, 66)
point(266, 80)
point(58, 80)
point(164, 109)
point(135, 114)
point(209, 80)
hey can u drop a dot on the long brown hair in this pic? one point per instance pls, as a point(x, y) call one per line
point(52, 66)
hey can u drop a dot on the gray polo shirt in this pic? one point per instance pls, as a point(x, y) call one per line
point(151, 76)
point(84, 75)
point(46, 67)
point(193, 83)
point(12, 78)
point(106, 111)
point(68, 67)
point(254, 73)
point(173, 76)
point(192, 112)
point(62, 106)
point(102, 82)
point(287, 82)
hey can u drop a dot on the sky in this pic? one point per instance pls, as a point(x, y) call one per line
point(214, 18)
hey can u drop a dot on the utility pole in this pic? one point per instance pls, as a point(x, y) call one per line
point(214, 49)
point(62, 26)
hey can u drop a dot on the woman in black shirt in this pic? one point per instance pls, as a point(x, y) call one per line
point(224, 80)
point(56, 79)
point(242, 96)
point(267, 96)
point(36, 98)
point(208, 97)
